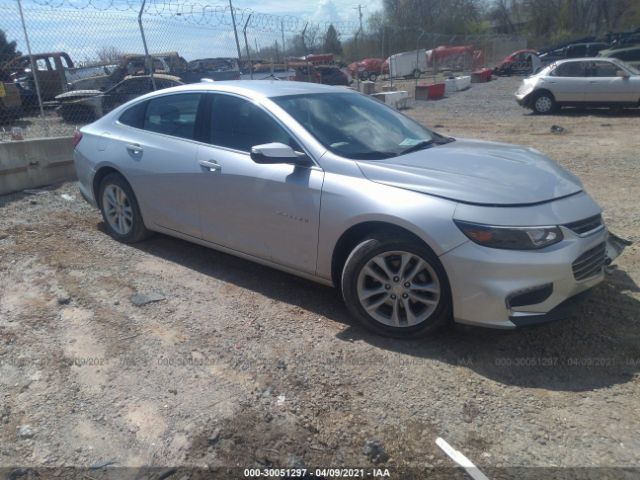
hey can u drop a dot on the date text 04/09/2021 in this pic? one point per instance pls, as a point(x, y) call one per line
point(317, 473)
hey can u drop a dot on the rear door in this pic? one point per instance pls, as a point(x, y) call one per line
point(568, 82)
point(157, 149)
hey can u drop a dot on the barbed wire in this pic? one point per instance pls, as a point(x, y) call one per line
point(202, 14)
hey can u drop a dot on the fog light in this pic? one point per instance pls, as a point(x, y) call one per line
point(529, 296)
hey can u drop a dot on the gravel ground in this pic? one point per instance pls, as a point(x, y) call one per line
point(240, 365)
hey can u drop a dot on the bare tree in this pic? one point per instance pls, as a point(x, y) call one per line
point(109, 54)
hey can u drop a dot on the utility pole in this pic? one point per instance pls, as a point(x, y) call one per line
point(235, 30)
point(286, 66)
point(358, 33)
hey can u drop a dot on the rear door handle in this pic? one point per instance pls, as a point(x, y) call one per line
point(134, 148)
point(211, 165)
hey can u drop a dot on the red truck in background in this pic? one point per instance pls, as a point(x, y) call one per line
point(455, 57)
point(369, 68)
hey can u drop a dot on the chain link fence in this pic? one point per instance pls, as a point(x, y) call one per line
point(64, 63)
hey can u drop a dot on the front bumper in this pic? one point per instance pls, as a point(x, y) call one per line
point(483, 280)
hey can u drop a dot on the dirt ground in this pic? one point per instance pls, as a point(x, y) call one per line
point(241, 365)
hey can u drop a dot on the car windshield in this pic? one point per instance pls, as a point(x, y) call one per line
point(632, 69)
point(357, 127)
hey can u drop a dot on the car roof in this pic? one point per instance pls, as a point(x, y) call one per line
point(261, 88)
point(586, 59)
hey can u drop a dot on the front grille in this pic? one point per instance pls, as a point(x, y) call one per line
point(589, 263)
point(586, 225)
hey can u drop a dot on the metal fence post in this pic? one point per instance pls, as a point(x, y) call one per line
point(246, 44)
point(235, 30)
point(148, 58)
point(422, 32)
point(33, 68)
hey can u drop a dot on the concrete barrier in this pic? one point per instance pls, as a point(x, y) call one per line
point(35, 163)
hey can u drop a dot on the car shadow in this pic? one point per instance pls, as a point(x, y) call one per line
point(598, 346)
point(602, 112)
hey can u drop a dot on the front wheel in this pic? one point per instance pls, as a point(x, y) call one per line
point(396, 287)
point(373, 77)
point(543, 103)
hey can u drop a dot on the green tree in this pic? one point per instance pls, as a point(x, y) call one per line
point(332, 41)
point(8, 52)
point(7, 49)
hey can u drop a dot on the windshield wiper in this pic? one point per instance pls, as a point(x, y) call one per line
point(418, 146)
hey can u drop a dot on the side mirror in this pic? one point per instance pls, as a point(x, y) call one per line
point(273, 153)
point(622, 74)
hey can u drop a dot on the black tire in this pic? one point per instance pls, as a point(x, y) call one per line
point(138, 231)
point(373, 77)
point(378, 244)
point(364, 75)
point(416, 73)
point(543, 103)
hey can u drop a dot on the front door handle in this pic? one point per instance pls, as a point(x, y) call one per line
point(211, 165)
point(134, 148)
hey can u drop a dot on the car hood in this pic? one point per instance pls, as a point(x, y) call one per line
point(479, 172)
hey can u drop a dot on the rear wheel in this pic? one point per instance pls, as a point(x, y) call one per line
point(416, 73)
point(396, 287)
point(373, 77)
point(120, 210)
point(543, 103)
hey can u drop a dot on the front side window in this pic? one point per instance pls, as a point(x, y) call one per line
point(355, 126)
point(603, 69)
point(239, 124)
point(173, 115)
point(570, 69)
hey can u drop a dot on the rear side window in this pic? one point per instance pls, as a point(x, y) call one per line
point(173, 115)
point(570, 69)
point(134, 116)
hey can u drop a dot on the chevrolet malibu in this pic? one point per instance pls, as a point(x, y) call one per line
point(414, 228)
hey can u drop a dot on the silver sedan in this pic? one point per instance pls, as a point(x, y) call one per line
point(415, 228)
point(598, 82)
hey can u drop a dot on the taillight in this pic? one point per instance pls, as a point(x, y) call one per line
point(77, 136)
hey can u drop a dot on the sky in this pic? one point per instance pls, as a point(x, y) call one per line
point(80, 29)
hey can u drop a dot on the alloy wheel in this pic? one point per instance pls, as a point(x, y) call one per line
point(398, 289)
point(118, 210)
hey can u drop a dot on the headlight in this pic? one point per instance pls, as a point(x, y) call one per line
point(510, 238)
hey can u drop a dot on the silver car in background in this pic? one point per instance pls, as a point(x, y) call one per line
point(598, 82)
point(413, 227)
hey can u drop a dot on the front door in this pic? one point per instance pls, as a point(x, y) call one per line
point(268, 211)
point(606, 87)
